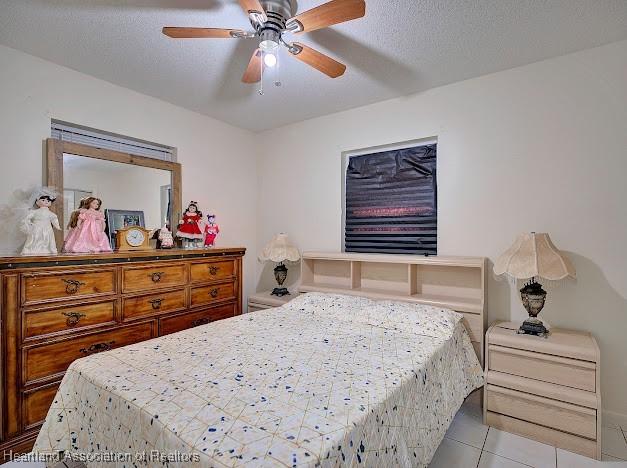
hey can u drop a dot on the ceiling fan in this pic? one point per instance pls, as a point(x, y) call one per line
point(271, 19)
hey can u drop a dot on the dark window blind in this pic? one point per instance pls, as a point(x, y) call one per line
point(391, 202)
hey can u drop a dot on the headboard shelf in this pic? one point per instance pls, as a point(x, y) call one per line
point(456, 283)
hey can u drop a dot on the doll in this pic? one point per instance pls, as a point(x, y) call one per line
point(87, 229)
point(211, 231)
point(165, 238)
point(37, 225)
point(72, 225)
point(189, 228)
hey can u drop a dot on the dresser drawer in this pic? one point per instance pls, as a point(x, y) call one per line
point(49, 287)
point(548, 368)
point(212, 271)
point(69, 318)
point(37, 403)
point(54, 358)
point(153, 277)
point(213, 293)
point(152, 304)
point(544, 411)
point(177, 323)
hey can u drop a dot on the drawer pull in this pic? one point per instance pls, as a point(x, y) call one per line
point(201, 321)
point(213, 270)
point(156, 304)
point(156, 276)
point(73, 318)
point(214, 292)
point(72, 286)
point(97, 348)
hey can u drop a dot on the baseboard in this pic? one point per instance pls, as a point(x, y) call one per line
point(613, 419)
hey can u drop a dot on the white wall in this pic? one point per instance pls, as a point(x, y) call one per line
point(541, 147)
point(219, 164)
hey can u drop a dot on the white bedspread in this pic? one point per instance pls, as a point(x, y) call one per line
point(324, 380)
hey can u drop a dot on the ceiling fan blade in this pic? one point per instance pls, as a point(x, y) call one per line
point(253, 71)
point(253, 7)
point(318, 60)
point(199, 33)
point(327, 14)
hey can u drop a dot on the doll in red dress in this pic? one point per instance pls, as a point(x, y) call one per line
point(211, 231)
point(189, 228)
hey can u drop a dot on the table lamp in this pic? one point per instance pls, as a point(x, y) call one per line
point(279, 250)
point(533, 255)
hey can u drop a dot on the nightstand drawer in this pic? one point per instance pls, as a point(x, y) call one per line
point(544, 411)
point(257, 307)
point(546, 435)
point(548, 368)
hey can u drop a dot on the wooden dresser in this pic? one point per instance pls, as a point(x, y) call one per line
point(59, 308)
point(546, 389)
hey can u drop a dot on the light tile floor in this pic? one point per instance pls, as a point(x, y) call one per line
point(470, 444)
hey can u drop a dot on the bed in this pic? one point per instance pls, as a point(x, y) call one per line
point(324, 380)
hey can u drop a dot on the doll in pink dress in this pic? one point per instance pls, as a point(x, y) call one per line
point(211, 231)
point(87, 229)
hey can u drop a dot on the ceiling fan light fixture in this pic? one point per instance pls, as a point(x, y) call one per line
point(268, 45)
point(269, 59)
point(269, 40)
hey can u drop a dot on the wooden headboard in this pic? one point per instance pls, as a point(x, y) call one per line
point(456, 283)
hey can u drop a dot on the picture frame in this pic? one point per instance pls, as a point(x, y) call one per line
point(117, 219)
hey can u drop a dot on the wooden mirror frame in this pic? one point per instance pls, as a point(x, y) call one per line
point(54, 173)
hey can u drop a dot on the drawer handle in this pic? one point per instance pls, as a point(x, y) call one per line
point(97, 348)
point(73, 318)
point(214, 292)
point(156, 276)
point(201, 321)
point(213, 270)
point(72, 286)
point(156, 304)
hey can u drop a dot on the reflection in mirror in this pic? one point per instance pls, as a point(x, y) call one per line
point(120, 186)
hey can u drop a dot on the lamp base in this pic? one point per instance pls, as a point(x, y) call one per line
point(280, 292)
point(533, 326)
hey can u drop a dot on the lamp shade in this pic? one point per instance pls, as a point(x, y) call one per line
point(534, 254)
point(279, 250)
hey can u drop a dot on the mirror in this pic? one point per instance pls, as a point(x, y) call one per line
point(131, 195)
point(134, 190)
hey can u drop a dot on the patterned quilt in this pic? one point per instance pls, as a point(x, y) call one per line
point(325, 380)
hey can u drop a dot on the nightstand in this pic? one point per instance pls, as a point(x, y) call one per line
point(546, 389)
point(264, 300)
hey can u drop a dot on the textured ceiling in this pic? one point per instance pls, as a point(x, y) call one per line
point(400, 47)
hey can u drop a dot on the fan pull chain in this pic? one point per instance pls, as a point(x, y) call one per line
point(277, 81)
point(261, 80)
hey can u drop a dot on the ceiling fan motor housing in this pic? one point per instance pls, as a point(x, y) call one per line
point(277, 13)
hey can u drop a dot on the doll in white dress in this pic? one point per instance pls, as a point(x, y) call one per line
point(37, 225)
